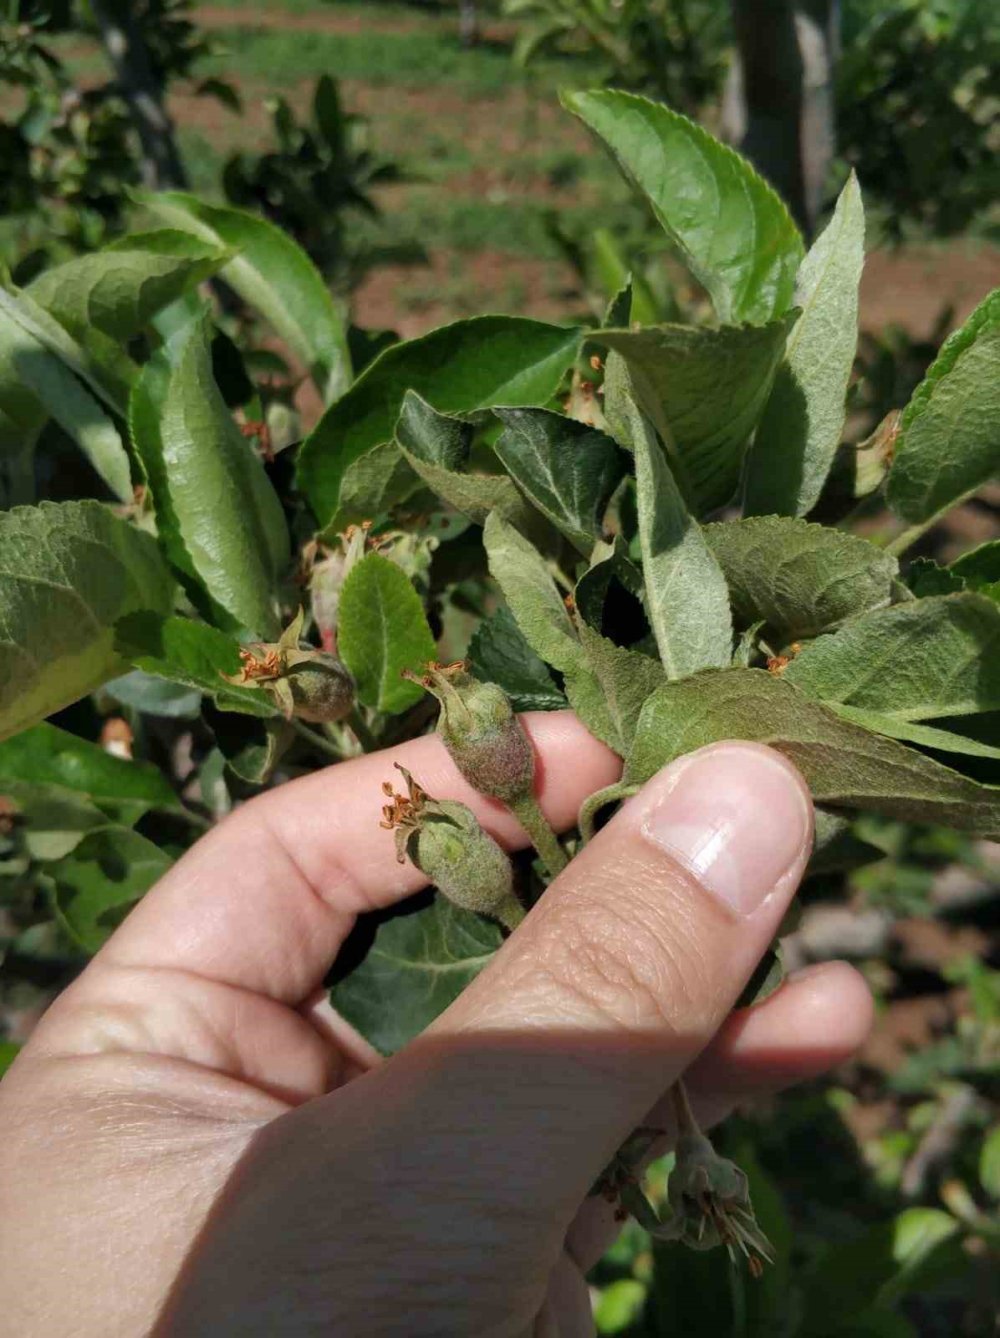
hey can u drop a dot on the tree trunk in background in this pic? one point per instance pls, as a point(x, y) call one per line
point(123, 42)
point(468, 23)
point(778, 106)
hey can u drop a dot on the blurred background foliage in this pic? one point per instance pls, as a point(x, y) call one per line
point(418, 153)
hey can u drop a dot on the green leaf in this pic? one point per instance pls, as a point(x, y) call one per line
point(836, 848)
point(272, 273)
point(193, 654)
point(529, 589)
point(373, 484)
point(567, 469)
point(733, 232)
point(768, 977)
point(686, 600)
point(37, 383)
point(9, 1051)
point(220, 520)
point(925, 577)
point(119, 289)
point(844, 765)
point(95, 886)
point(798, 577)
point(907, 731)
point(619, 1305)
point(69, 571)
point(989, 1163)
point(499, 653)
point(979, 569)
point(420, 962)
point(54, 820)
point(609, 689)
point(382, 630)
point(252, 748)
point(53, 756)
point(800, 430)
point(468, 365)
point(930, 657)
point(436, 447)
point(153, 696)
point(703, 390)
point(949, 435)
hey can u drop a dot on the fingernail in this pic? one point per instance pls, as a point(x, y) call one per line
point(736, 817)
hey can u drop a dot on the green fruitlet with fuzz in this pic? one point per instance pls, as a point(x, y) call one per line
point(444, 840)
point(490, 748)
point(308, 684)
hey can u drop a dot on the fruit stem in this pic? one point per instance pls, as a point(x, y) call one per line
point(321, 744)
point(364, 736)
point(543, 838)
point(510, 913)
point(590, 807)
point(686, 1123)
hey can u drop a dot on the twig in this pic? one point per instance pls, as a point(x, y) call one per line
point(939, 1142)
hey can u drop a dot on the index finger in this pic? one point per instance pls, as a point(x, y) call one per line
point(265, 901)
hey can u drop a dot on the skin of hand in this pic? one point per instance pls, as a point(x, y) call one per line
point(193, 1144)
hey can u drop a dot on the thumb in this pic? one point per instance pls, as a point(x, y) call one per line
point(625, 970)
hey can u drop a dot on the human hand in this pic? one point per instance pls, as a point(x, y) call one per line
point(192, 1143)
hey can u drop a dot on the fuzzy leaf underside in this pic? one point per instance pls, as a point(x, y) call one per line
point(704, 390)
point(949, 434)
point(845, 765)
point(800, 430)
point(68, 572)
point(732, 230)
point(799, 578)
point(686, 599)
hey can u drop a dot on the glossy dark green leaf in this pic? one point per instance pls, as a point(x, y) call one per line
point(845, 766)
point(70, 571)
point(272, 273)
point(499, 653)
point(731, 229)
point(437, 447)
point(153, 696)
point(419, 963)
point(567, 469)
point(382, 630)
point(979, 569)
point(193, 654)
point(797, 577)
point(926, 577)
point(95, 886)
point(219, 518)
point(469, 365)
point(251, 746)
point(686, 599)
point(949, 435)
point(52, 756)
point(800, 430)
point(704, 390)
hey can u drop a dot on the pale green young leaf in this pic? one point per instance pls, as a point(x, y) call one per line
point(420, 962)
point(732, 230)
point(499, 653)
point(949, 435)
point(704, 390)
point(49, 755)
point(436, 447)
point(801, 427)
point(910, 731)
point(220, 519)
point(382, 630)
point(932, 657)
point(37, 383)
point(97, 884)
point(845, 766)
point(119, 289)
point(567, 469)
point(686, 599)
point(195, 655)
point(469, 365)
point(529, 589)
point(69, 571)
point(271, 272)
point(798, 577)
